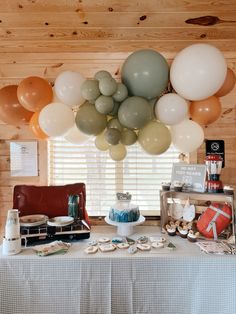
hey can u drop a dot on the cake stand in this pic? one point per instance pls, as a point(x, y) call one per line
point(125, 228)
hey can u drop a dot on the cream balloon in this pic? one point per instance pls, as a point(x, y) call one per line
point(74, 136)
point(198, 71)
point(187, 136)
point(67, 88)
point(117, 152)
point(171, 109)
point(101, 143)
point(56, 119)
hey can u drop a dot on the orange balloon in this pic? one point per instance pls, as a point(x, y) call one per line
point(205, 111)
point(11, 111)
point(35, 128)
point(34, 93)
point(228, 84)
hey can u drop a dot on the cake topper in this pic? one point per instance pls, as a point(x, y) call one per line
point(123, 196)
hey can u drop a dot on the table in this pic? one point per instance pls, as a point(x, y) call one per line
point(184, 281)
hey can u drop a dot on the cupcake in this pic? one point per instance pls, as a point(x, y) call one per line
point(183, 231)
point(192, 237)
point(178, 186)
point(165, 186)
point(171, 230)
point(228, 190)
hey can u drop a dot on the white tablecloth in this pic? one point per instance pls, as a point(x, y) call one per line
point(184, 281)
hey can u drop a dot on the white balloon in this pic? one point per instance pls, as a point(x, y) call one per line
point(171, 109)
point(198, 71)
point(187, 136)
point(67, 88)
point(56, 119)
point(75, 136)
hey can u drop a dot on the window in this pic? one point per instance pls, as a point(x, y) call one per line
point(139, 174)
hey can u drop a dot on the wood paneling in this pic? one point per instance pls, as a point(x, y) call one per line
point(44, 38)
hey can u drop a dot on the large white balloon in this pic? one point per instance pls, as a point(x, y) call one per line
point(171, 109)
point(75, 136)
point(56, 119)
point(198, 71)
point(187, 136)
point(67, 88)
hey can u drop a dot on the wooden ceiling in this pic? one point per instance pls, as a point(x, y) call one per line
point(43, 37)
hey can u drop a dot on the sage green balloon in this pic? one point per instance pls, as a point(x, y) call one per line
point(121, 93)
point(115, 109)
point(107, 86)
point(101, 74)
point(90, 90)
point(154, 138)
point(112, 136)
point(89, 120)
point(134, 112)
point(115, 123)
point(101, 143)
point(117, 152)
point(104, 104)
point(152, 103)
point(145, 73)
point(128, 137)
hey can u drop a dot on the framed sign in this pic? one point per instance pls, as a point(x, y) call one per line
point(192, 175)
point(24, 158)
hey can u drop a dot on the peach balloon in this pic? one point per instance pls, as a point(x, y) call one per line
point(205, 111)
point(34, 93)
point(35, 128)
point(228, 85)
point(11, 111)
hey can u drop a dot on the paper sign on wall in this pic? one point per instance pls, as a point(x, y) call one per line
point(24, 158)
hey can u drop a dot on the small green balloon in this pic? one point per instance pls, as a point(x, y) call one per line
point(155, 138)
point(115, 123)
point(115, 109)
point(121, 93)
point(90, 90)
point(117, 152)
point(152, 103)
point(89, 120)
point(107, 86)
point(128, 137)
point(101, 143)
point(112, 136)
point(104, 104)
point(101, 74)
point(134, 112)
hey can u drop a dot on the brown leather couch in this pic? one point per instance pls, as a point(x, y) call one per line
point(51, 201)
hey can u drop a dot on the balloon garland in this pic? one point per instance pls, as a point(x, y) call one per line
point(141, 108)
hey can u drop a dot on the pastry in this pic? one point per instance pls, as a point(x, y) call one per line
point(144, 247)
point(142, 239)
point(92, 243)
point(91, 249)
point(107, 247)
point(171, 230)
point(104, 240)
point(192, 237)
point(117, 240)
point(183, 231)
point(132, 249)
point(157, 245)
point(123, 245)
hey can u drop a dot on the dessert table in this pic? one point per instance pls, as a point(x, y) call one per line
point(180, 281)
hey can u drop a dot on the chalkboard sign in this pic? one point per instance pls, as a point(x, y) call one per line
point(192, 175)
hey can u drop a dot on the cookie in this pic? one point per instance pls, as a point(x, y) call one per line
point(91, 250)
point(144, 247)
point(107, 247)
point(157, 245)
point(103, 240)
point(92, 243)
point(132, 249)
point(117, 240)
point(142, 239)
point(123, 245)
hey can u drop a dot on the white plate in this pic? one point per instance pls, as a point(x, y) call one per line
point(33, 220)
point(60, 221)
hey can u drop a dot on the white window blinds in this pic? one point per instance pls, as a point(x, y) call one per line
point(139, 174)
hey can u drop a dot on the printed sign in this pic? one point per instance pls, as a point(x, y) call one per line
point(192, 175)
point(216, 147)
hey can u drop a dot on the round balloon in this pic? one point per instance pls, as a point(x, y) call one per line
point(101, 74)
point(228, 84)
point(11, 111)
point(35, 128)
point(68, 88)
point(145, 73)
point(117, 152)
point(112, 136)
point(128, 137)
point(134, 112)
point(114, 123)
point(205, 111)
point(56, 119)
point(198, 71)
point(121, 93)
point(115, 109)
point(90, 90)
point(89, 120)
point(104, 104)
point(187, 136)
point(107, 86)
point(101, 143)
point(34, 93)
point(74, 136)
point(154, 138)
point(171, 109)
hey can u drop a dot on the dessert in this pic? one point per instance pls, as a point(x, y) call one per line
point(183, 231)
point(123, 210)
point(171, 230)
point(178, 186)
point(123, 245)
point(91, 250)
point(192, 237)
point(165, 186)
point(228, 190)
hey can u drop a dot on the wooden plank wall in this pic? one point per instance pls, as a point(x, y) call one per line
point(44, 38)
